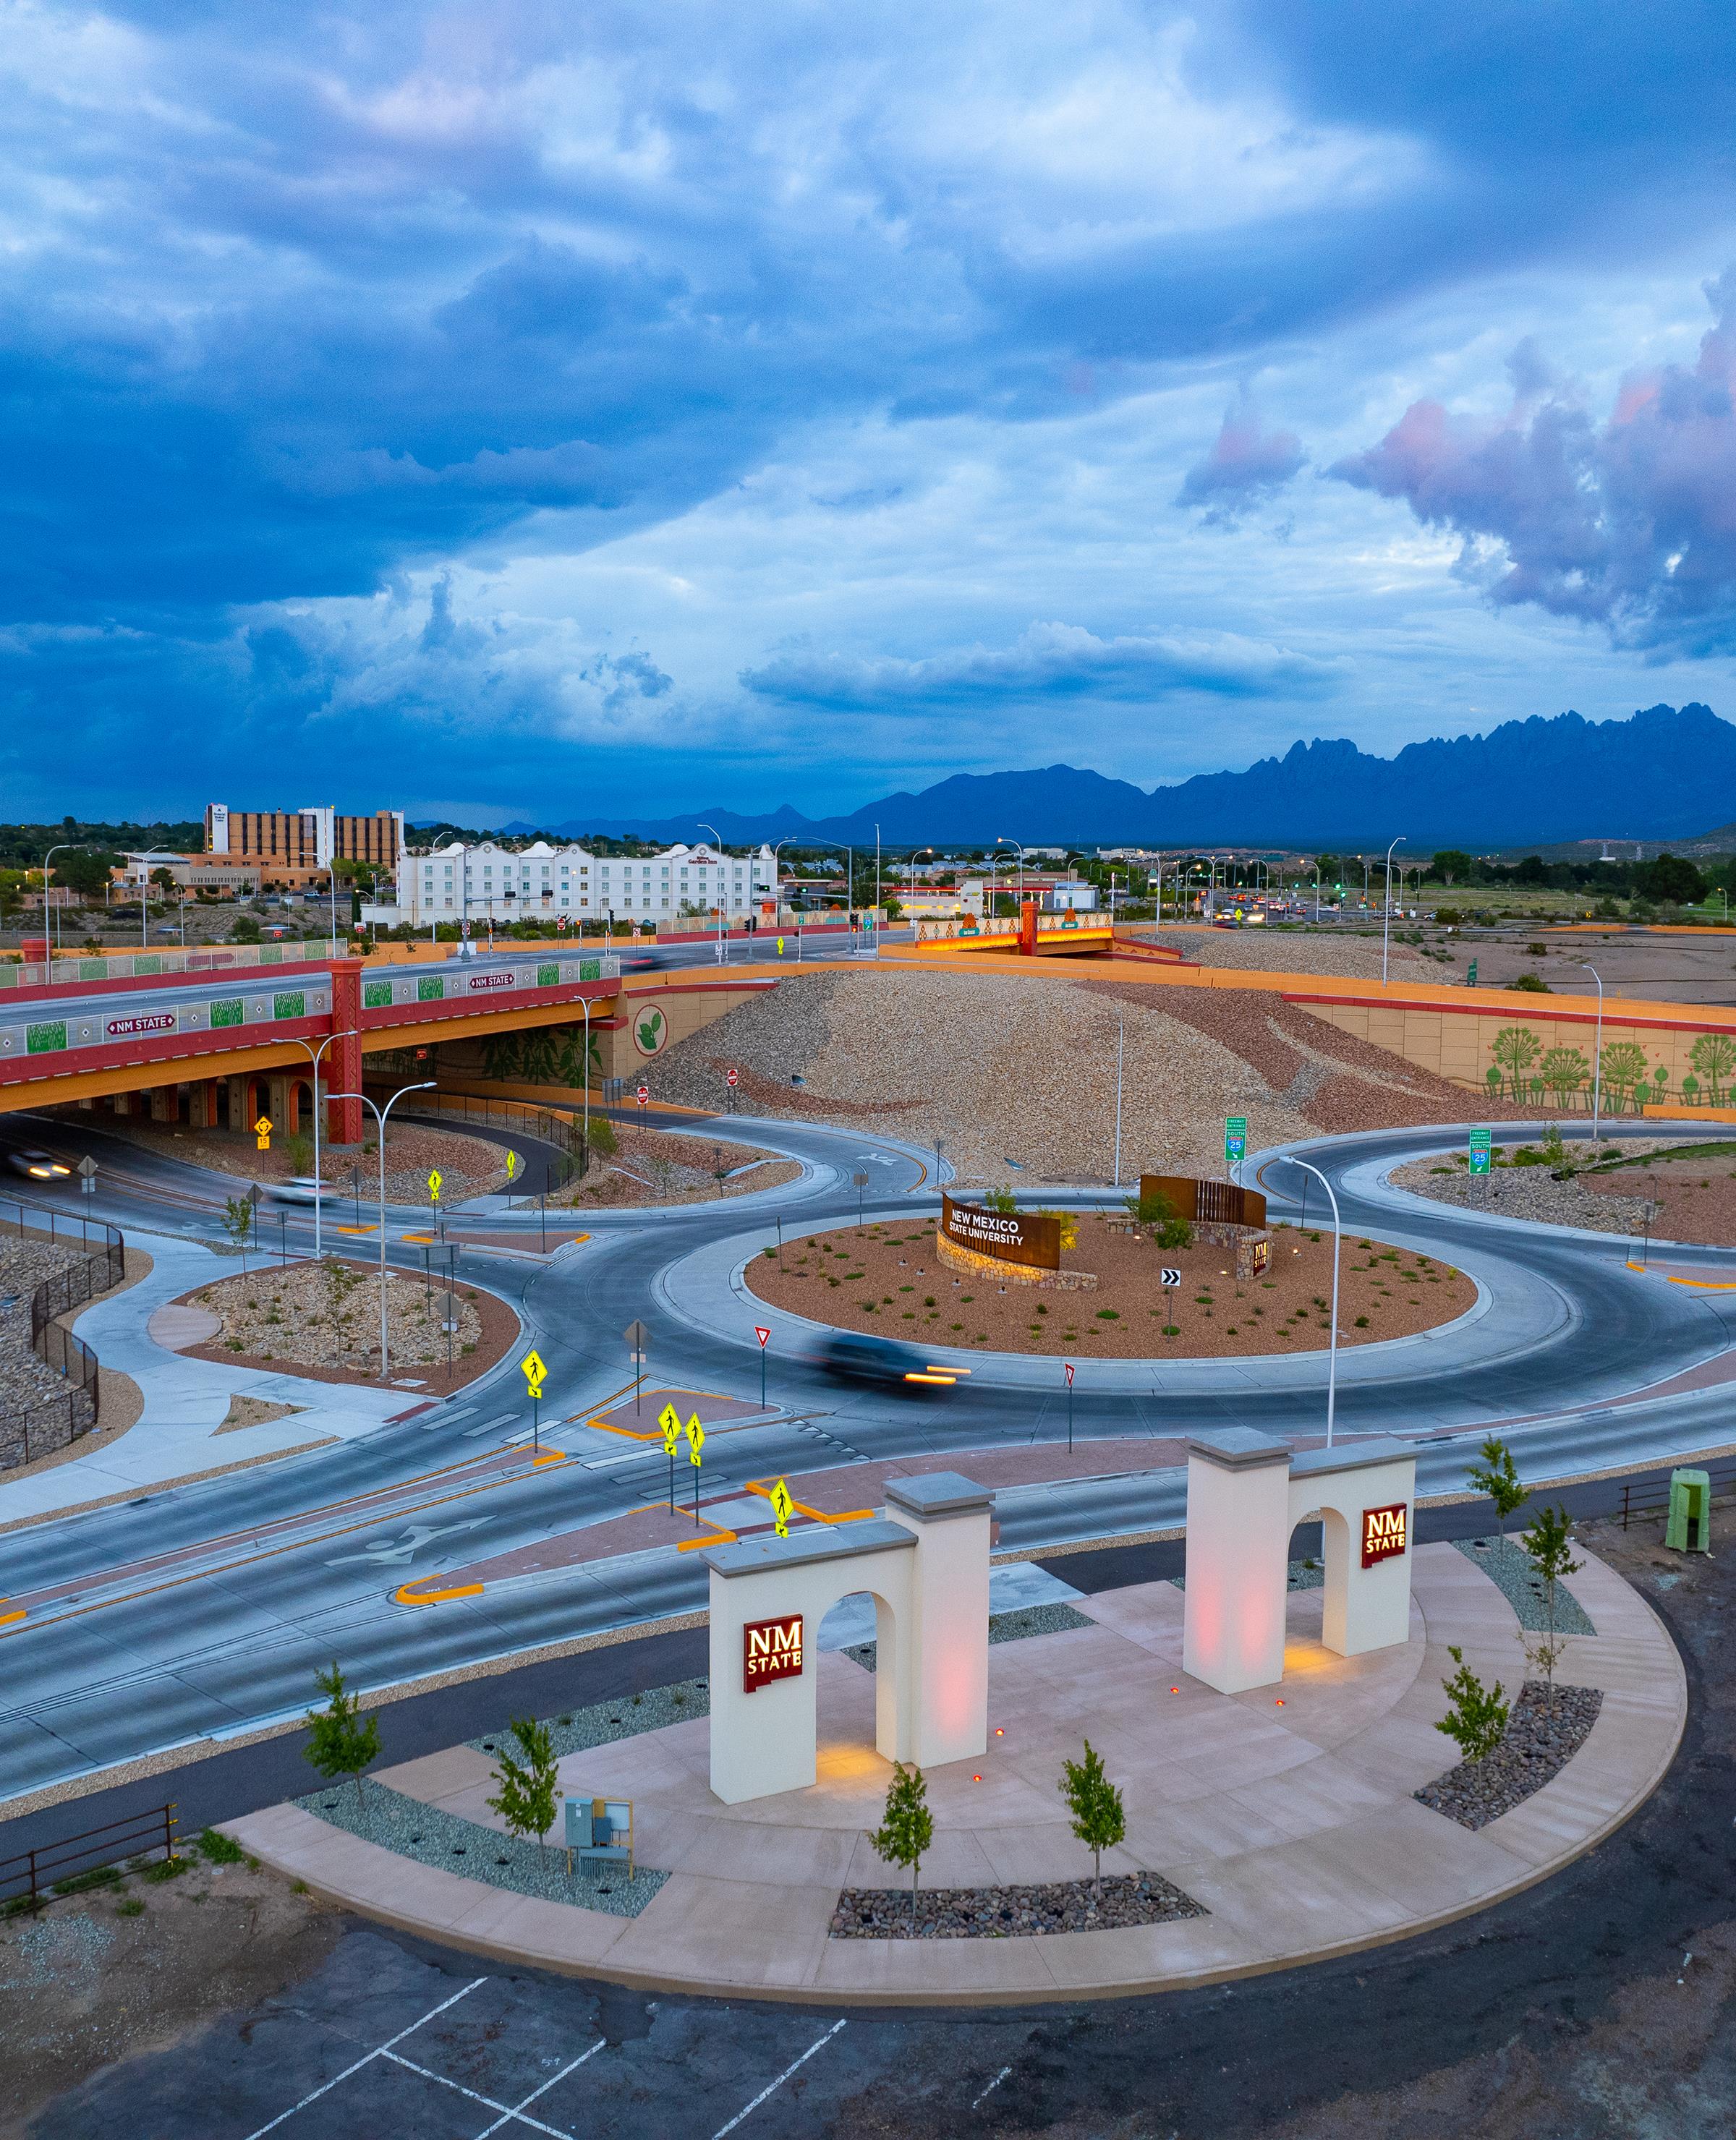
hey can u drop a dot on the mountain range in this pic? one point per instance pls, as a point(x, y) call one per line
point(1664, 773)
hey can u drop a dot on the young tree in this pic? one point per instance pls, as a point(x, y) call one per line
point(1099, 1819)
point(1001, 1201)
point(238, 1223)
point(1549, 1546)
point(527, 1787)
point(339, 1743)
point(1478, 1718)
point(1496, 1477)
point(907, 1826)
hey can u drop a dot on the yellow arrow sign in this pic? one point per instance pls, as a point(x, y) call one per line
point(781, 1505)
point(695, 1439)
point(535, 1372)
point(433, 1185)
point(513, 1163)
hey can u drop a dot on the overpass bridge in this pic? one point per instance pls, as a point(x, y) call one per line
point(216, 1049)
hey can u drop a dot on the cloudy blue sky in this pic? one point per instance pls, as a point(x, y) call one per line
point(529, 410)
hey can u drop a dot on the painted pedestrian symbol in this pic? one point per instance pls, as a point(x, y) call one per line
point(390, 1552)
point(262, 1130)
point(781, 1505)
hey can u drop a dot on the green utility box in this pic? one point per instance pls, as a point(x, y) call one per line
point(1689, 1528)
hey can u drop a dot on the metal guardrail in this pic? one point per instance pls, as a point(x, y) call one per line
point(1652, 1498)
point(35, 1877)
point(213, 959)
point(33, 1430)
point(553, 1125)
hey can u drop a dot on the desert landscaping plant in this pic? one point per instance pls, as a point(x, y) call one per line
point(1477, 1720)
point(1099, 1819)
point(907, 1826)
point(339, 1743)
point(1496, 1477)
point(238, 1223)
point(1549, 1545)
point(527, 1787)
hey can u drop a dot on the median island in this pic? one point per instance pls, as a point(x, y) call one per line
point(891, 1281)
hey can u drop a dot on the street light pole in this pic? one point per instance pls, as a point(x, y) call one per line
point(718, 836)
point(60, 847)
point(1120, 1047)
point(315, 1053)
point(1332, 1349)
point(1597, 1058)
point(1386, 919)
point(379, 1115)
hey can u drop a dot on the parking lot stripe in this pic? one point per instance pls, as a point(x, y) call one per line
point(819, 2045)
point(542, 2089)
point(458, 2088)
point(380, 2050)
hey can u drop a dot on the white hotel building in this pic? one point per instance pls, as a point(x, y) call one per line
point(488, 882)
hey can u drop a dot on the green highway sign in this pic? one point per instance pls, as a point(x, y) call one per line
point(1479, 1156)
point(1470, 977)
point(1235, 1138)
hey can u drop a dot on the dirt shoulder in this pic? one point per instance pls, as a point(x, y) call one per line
point(890, 1282)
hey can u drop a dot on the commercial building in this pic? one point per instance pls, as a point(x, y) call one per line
point(284, 843)
point(489, 882)
point(234, 880)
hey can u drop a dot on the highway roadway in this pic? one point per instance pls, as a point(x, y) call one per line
point(199, 1611)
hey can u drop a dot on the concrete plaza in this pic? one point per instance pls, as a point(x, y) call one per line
point(1287, 1812)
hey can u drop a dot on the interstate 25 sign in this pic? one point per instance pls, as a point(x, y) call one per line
point(770, 1650)
point(1384, 1532)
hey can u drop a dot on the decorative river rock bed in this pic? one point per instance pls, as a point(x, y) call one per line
point(1541, 1738)
point(1059, 1906)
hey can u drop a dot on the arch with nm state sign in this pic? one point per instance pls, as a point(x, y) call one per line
point(927, 1568)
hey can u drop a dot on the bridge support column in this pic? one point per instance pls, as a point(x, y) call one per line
point(202, 1104)
point(165, 1104)
point(239, 1119)
point(343, 1058)
point(1028, 928)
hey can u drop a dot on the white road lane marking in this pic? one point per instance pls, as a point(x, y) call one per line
point(542, 2089)
point(458, 2088)
point(379, 2050)
point(819, 2045)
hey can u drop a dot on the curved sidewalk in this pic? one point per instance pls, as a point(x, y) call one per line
point(1291, 1820)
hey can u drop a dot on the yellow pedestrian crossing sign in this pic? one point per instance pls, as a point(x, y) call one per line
point(434, 1186)
point(781, 1505)
point(535, 1373)
point(669, 1420)
point(695, 1439)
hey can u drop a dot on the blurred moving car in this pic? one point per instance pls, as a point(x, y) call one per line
point(39, 1166)
point(851, 1359)
point(300, 1189)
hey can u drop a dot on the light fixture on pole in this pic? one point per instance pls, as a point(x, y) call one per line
point(1386, 920)
point(314, 1054)
point(722, 958)
point(1597, 1058)
point(1120, 1048)
point(379, 1115)
point(60, 847)
point(1332, 1348)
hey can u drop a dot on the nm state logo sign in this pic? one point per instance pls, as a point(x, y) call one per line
point(651, 1031)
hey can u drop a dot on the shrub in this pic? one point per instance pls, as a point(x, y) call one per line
point(1477, 1720)
point(220, 1849)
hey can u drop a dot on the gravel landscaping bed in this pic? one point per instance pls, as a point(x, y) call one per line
point(1058, 1906)
point(1691, 1192)
point(1541, 1738)
point(1015, 1627)
point(471, 1165)
point(654, 1166)
point(625, 1717)
point(888, 1282)
point(1288, 951)
point(1509, 1567)
point(430, 1836)
point(25, 1378)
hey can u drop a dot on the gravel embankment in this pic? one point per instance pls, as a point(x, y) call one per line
point(1017, 1076)
point(25, 1379)
point(1541, 1738)
point(327, 1315)
point(654, 1167)
point(1059, 1906)
point(1260, 950)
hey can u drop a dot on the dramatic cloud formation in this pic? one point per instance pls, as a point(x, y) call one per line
point(1051, 661)
point(1631, 524)
point(1244, 464)
point(493, 398)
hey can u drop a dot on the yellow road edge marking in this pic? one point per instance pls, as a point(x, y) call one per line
point(549, 1456)
point(1700, 1284)
point(819, 1515)
point(354, 1230)
point(722, 1538)
point(6, 1618)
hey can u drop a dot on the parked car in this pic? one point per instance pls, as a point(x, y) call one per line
point(39, 1166)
